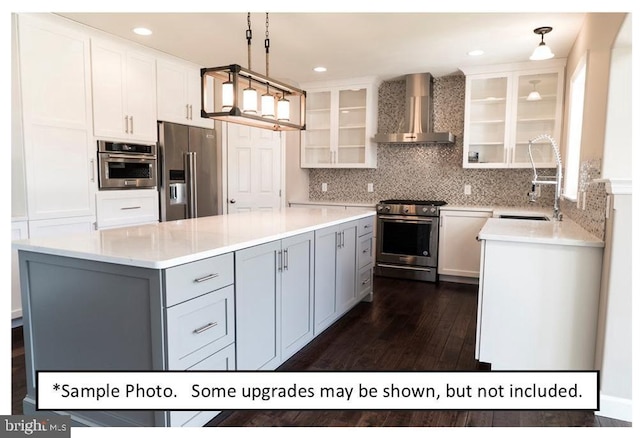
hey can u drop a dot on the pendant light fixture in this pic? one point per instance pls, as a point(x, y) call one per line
point(534, 95)
point(276, 97)
point(542, 51)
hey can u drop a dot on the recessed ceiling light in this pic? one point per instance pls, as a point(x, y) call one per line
point(476, 52)
point(320, 69)
point(142, 31)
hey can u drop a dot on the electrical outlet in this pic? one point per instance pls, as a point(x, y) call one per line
point(324, 187)
point(467, 189)
point(370, 187)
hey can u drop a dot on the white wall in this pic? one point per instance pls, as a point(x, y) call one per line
point(614, 342)
point(616, 160)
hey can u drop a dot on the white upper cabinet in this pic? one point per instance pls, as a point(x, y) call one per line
point(179, 93)
point(55, 88)
point(508, 105)
point(124, 92)
point(341, 121)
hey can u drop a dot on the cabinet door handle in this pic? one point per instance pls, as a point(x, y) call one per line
point(131, 119)
point(204, 328)
point(286, 259)
point(130, 208)
point(279, 261)
point(126, 124)
point(364, 251)
point(205, 278)
point(92, 163)
point(187, 109)
point(366, 281)
point(190, 112)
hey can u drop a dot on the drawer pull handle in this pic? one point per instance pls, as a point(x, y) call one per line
point(130, 208)
point(364, 251)
point(205, 278)
point(204, 328)
point(366, 281)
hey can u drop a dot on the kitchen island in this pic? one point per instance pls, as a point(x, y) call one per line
point(242, 291)
point(538, 295)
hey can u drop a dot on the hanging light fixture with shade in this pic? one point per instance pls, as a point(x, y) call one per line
point(542, 51)
point(534, 95)
point(275, 101)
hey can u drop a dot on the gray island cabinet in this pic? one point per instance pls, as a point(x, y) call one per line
point(215, 293)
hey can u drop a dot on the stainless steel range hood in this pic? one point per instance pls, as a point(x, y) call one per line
point(417, 126)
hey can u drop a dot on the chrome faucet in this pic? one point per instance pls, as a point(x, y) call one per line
point(554, 180)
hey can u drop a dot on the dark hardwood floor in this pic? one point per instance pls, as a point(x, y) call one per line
point(409, 326)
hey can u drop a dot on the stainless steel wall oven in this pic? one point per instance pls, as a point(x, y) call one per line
point(127, 165)
point(407, 239)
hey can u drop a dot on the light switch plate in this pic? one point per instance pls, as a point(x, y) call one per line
point(324, 187)
point(370, 187)
point(467, 189)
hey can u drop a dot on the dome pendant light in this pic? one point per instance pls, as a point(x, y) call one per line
point(542, 51)
point(534, 95)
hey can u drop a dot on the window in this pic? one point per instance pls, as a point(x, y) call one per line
point(574, 129)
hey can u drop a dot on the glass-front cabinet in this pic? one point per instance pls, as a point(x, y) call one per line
point(504, 109)
point(341, 120)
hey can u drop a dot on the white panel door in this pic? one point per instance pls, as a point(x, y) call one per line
point(254, 169)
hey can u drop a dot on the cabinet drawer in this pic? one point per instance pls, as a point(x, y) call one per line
point(200, 327)
point(365, 281)
point(365, 250)
point(223, 360)
point(365, 225)
point(121, 208)
point(197, 278)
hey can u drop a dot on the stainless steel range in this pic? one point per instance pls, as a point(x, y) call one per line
point(407, 239)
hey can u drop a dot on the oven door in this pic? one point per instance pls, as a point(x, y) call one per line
point(122, 171)
point(407, 240)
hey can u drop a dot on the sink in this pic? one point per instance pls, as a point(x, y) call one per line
point(530, 218)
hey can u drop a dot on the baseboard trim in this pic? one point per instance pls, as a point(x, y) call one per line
point(615, 407)
point(458, 279)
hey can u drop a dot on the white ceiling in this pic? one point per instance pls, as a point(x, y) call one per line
point(387, 45)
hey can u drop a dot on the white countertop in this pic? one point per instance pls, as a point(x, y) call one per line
point(173, 243)
point(565, 232)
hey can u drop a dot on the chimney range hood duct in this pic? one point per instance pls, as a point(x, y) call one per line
point(417, 125)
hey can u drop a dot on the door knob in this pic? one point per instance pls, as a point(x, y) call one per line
point(232, 201)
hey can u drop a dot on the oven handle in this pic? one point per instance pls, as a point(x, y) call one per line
point(133, 156)
point(408, 219)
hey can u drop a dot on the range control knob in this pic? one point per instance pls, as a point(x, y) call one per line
point(425, 209)
point(406, 209)
point(387, 209)
point(433, 209)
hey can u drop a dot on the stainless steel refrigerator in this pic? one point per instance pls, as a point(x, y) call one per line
point(188, 171)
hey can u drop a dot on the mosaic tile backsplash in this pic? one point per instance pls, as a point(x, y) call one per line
point(415, 171)
point(435, 172)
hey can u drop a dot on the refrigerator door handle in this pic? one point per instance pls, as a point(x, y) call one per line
point(192, 184)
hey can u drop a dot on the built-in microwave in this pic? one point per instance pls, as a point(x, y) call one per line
point(127, 165)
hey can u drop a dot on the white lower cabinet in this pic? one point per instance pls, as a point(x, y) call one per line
point(459, 250)
point(274, 297)
point(62, 226)
point(19, 231)
point(117, 208)
point(335, 273)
